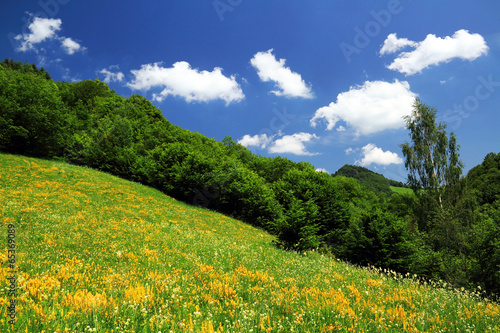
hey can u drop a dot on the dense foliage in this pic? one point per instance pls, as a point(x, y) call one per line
point(86, 123)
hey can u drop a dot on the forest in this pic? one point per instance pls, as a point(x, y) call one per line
point(447, 228)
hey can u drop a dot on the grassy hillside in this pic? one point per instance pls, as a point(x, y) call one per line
point(358, 218)
point(401, 190)
point(95, 253)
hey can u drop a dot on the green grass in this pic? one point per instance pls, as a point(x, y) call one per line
point(401, 190)
point(96, 253)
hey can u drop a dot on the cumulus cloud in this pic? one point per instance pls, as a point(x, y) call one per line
point(257, 140)
point(290, 84)
point(110, 76)
point(322, 170)
point(40, 29)
point(189, 83)
point(71, 46)
point(43, 29)
point(433, 50)
point(371, 154)
point(393, 44)
point(372, 107)
point(293, 144)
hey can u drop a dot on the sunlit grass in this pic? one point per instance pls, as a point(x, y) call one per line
point(96, 253)
point(401, 190)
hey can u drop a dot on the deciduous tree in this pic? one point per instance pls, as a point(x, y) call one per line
point(432, 158)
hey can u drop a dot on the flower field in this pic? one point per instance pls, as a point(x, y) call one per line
point(95, 253)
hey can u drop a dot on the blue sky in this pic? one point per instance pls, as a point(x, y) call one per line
point(320, 81)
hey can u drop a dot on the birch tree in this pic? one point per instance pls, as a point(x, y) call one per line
point(432, 157)
point(434, 170)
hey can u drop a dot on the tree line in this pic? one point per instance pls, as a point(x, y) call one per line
point(448, 229)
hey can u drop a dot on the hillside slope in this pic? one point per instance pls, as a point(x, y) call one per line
point(95, 253)
point(86, 123)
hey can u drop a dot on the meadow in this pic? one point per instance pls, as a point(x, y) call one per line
point(96, 253)
point(401, 190)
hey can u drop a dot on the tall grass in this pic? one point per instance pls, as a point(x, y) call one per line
point(95, 253)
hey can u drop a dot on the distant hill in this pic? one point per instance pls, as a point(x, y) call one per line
point(373, 181)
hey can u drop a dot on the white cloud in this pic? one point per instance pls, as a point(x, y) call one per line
point(322, 170)
point(71, 46)
point(434, 50)
point(349, 150)
point(393, 44)
point(111, 76)
point(257, 140)
point(290, 84)
point(293, 144)
point(374, 155)
point(183, 81)
point(373, 107)
point(42, 29)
